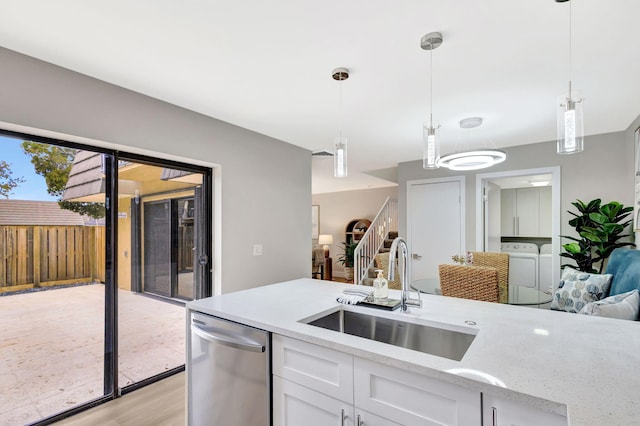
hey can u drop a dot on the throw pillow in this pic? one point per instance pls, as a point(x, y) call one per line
point(577, 288)
point(621, 306)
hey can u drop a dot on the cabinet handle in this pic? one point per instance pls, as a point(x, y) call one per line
point(359, 422)
point(515, 231)
point(342, 417)
point(494, 416)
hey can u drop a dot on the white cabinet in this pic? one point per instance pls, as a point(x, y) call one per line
point(508, 212)
point(501, 412)
point(545, 211)
point(525, 212)
point(412, 399)
point(294, 404)
point(311, 386)
point(313, 366)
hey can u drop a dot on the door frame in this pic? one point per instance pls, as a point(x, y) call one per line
point(410, 184)
point(556, 213)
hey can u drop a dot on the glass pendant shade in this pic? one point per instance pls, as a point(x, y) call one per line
point(340, 142)
point(570, 124)
point(431, 148)
point(340, 157)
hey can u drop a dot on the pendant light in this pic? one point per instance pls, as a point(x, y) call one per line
point(472, 160)
point(570, 124)
point(431, 143)
point(340, 142)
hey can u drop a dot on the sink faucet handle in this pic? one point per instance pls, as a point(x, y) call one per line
point(414, 301)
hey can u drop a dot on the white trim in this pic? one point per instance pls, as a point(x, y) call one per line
point(555, 207)
point(461, 181)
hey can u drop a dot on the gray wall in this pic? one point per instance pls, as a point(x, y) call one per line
point(337, 209)
point(265, 187)
point(603, 170)
point(630, 152)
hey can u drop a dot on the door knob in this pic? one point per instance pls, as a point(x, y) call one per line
point(416, 256)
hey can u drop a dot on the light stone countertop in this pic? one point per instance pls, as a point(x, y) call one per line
point(584, 367)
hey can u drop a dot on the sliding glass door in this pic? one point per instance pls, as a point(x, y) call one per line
point(53, 278)
point(98, 253)
point(158, 247)
point(157, 258)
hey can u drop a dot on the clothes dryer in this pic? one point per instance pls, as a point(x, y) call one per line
point(545, 271)
point(523, 263)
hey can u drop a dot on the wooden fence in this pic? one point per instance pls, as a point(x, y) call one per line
point(38, 256)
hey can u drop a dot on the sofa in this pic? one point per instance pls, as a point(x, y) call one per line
point(624, 266)
point(614, 294)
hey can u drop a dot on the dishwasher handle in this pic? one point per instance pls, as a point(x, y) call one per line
point(244, 344)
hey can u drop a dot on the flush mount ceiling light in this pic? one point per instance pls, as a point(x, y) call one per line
point(472, 160)
point(340, 142)
point(471, 122)
point(431, 144)
point(540, 183)
point(570, 125)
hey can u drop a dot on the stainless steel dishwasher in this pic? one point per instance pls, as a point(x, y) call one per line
point(228, 373)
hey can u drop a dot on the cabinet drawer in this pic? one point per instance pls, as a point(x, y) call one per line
point(411, 399)
point(322, 369)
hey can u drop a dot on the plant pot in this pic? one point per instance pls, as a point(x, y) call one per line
point(348, 273)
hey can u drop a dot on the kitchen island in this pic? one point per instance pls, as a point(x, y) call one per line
point(564, 365)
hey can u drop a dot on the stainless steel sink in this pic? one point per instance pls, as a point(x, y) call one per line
point(431, 340)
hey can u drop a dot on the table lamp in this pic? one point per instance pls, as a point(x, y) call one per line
point(325, 240)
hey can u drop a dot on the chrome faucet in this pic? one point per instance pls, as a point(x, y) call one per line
point(406, 298)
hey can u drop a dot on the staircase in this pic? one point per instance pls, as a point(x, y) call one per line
point(392, 235)
point(371, 272)
point(378, 238)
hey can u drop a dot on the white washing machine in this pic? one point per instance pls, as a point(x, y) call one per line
point(523, 263)
point(545, 271)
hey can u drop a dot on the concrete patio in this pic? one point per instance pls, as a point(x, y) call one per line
point(52, 346)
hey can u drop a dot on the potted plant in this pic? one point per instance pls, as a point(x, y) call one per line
point(600, 228)
point(347, 258)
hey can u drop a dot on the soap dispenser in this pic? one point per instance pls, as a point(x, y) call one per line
point(380, 288)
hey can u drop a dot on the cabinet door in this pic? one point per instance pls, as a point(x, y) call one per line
point(545, 212)
point(527, 208)
point(316, 367)
point(296, 405)
point(508, 212)
point(412, 399)
point(501, 412)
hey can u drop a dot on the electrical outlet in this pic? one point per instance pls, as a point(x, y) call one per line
point(257, 249)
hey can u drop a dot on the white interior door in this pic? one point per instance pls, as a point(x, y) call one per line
point(492, 217)
point(435, 224)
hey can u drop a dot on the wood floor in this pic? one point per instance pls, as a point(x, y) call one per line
point(161, 404)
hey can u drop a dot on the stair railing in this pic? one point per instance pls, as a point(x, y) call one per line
point(385, 221)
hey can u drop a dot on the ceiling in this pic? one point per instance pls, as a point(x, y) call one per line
point(266, 66)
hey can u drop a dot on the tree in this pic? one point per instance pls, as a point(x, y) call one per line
point(7, 182)
point(54, 163)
